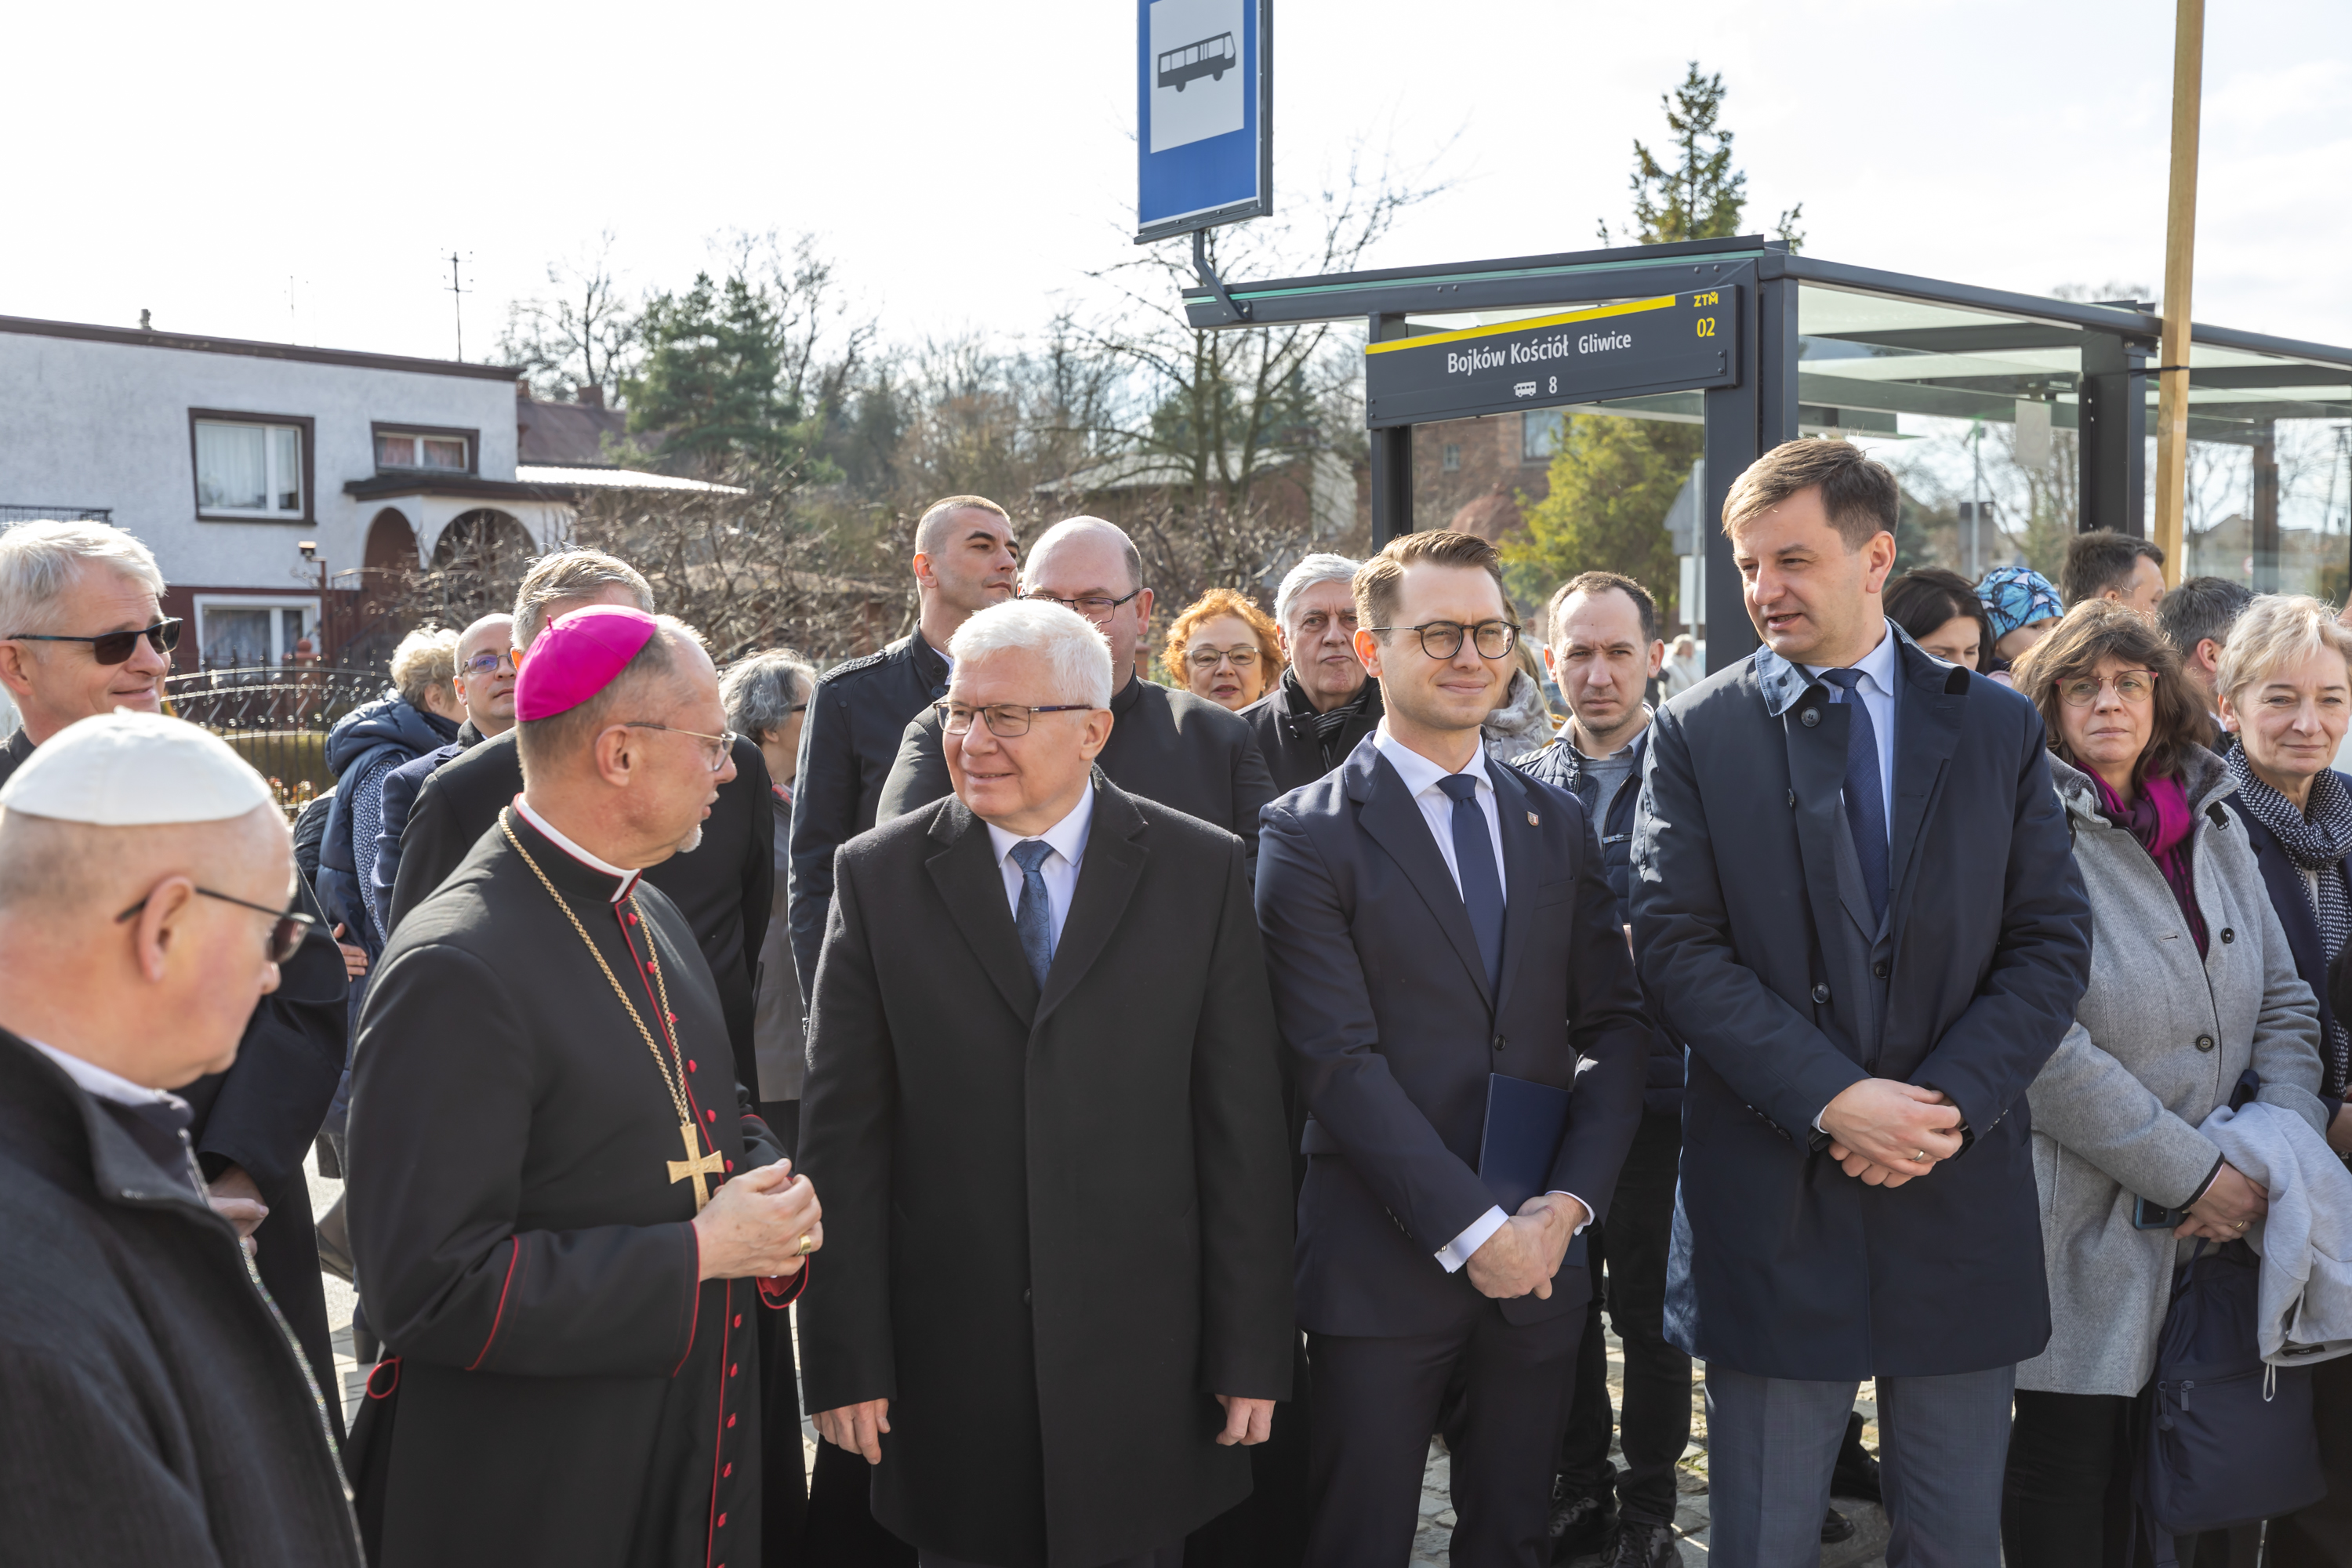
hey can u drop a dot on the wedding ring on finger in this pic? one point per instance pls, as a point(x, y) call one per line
point(807, 1243)
point(1920, 1158)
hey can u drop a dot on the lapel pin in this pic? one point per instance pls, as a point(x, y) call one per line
point(1533, 821)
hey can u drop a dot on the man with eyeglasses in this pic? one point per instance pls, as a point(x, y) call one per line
point(1056, 1312)
point(486, 677)
point(152, 1407)
point(1325, 702)
point(1441, 935)
point(83, 603)
point(566, 1215)
point(1170, 746)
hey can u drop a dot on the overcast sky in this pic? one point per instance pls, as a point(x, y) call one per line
point(968, 165)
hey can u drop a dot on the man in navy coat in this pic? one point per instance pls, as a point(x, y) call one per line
point(1433, 918)
point(1856, 899)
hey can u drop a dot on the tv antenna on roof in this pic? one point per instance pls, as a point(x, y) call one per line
point(457, 293)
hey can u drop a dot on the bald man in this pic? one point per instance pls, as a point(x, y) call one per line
point(1184, 751)
point(964, 562)
point(152, 1407)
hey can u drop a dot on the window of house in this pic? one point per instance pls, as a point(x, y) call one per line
point(248, 469)
point(1452, 457)
point(410, 450)
point(253, 634)
point(1538, 436)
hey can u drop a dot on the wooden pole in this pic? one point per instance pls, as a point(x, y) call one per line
point(2180, 256)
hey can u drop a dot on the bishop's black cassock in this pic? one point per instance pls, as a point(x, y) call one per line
point(566, 1392)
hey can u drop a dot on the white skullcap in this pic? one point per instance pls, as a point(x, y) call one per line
point(134, 770)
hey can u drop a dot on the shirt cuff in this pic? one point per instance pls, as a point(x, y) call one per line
point(1457, 1253)
point(1564, 1192)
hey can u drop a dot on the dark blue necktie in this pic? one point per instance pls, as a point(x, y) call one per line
point(1034, 919)
point(1865, 793)
point(1482, 880)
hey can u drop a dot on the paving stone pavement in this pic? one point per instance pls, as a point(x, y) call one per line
point(1866, 1550)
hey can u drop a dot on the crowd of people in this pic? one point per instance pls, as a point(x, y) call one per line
point(1162, 1106)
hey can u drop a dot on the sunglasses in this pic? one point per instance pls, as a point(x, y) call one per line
point(115, 647)
point(285, 937)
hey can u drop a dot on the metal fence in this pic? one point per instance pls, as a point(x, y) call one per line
point(18, 511)
point(277, 719)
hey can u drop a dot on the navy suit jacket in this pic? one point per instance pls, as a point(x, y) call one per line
point(1383, 1003)
point(2285, 880)
point(1781, 1264)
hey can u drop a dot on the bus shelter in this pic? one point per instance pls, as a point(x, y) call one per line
point(1760, 346)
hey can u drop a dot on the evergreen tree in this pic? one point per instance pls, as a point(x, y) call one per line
point(711, 369)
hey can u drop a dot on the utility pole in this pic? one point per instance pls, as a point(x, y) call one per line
point(457, 294)
point(2179, 254)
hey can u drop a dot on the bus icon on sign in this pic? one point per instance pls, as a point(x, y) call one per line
point(1523, 389)
point(1211, 57)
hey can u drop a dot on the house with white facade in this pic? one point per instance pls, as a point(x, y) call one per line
point(269, 477)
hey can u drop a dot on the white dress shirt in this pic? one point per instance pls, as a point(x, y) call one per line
point(100, 1084)
point(1421, 777)
point(1059, 870)
point(628, 878)
point(1881, 669)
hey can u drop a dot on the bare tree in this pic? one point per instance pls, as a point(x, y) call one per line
point(587, 334)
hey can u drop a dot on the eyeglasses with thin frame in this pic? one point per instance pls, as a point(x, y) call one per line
point(715, 747)
point(1443, 639)
point(1005, 721)
point(1204, 659)
point(285, 937)
point(1096, 607)
point(116, 648)
point(486, 661)
point(2132, 685)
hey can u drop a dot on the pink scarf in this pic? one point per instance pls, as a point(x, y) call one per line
point(2161, 820)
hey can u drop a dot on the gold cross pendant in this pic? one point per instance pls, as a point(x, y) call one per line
point(711, 1164)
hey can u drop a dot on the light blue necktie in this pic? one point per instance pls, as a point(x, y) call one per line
point(1034, 919)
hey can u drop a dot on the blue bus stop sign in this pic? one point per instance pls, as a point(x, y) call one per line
point(1203, 88)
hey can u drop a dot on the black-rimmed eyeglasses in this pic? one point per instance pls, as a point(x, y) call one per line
point(1443, 639)
point(285, 937)
point(115, 647)
point(1004, 719)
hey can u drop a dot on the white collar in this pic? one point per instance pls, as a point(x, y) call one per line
point(1068, 836)
point(1421, 775)
point(100, 1084)
point(1879, 663)
point(628, 878)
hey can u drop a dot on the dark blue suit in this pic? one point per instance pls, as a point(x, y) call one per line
point(1386, 1009)
point(1759, 949)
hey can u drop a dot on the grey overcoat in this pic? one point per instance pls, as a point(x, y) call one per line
point(2159, 1039)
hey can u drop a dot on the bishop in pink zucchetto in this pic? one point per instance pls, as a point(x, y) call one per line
point(577, 655)
point(571, 1218)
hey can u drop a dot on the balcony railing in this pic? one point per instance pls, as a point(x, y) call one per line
point(14, 511)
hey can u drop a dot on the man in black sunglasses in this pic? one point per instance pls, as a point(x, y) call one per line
point(83, 629)
point(73, 597)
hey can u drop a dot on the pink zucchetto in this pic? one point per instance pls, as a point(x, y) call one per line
point(577, 655)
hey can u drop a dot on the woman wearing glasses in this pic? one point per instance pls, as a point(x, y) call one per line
point(2192, 982)
point(1224, 649)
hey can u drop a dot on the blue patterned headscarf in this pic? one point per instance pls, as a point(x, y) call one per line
point(2017, 596)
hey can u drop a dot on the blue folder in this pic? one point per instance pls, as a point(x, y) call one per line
point(1525, 1122)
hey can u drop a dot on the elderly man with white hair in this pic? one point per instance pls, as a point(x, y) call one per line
point(1166, 745)
point(1325, 702)
point(153, 1408)
point(1043, 1106)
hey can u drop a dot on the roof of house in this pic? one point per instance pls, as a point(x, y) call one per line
point(567, 432)
point(199, 343)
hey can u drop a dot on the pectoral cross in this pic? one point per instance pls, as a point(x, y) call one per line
point(711, 1164)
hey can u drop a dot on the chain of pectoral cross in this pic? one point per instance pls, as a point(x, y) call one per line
point(697, 1165)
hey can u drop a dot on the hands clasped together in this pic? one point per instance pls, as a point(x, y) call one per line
point(1886, 1132)
point(1520, 1258)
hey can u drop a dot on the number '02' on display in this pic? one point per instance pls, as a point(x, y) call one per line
point(1706, 326)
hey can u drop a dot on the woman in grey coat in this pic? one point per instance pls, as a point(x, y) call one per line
point(2191, 983)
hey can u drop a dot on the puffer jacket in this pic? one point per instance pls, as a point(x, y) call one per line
point(2159, 1041)
point(391, 729)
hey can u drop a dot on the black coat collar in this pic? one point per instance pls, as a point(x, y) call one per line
point(122, 1172)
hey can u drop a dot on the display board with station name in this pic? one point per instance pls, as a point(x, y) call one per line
point(1671, 343)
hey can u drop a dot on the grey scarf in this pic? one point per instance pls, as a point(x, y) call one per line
point(2316, 839)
